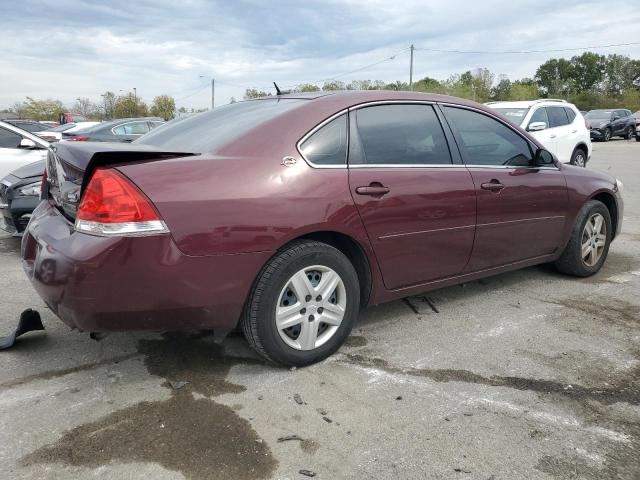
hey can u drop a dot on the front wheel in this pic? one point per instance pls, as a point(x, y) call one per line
point(588, 246)
point(607, 135)
point(579, 158)
point(303, 305)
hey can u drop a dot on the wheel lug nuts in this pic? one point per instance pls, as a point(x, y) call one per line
point(318, 298)
point(303, 311)
point(308, 298)
point(320, 309)
point(311, 318)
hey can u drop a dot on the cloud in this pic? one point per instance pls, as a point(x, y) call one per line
point(82, 48)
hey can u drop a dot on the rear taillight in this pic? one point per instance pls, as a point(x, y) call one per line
point(112, 205)
point(43, 186)
point(78, 138)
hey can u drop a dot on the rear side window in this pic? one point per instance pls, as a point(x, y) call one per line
point(328, 145)
point(9, 139)
point(485, 141)
point(135, 128)
point(557, 116)
point(571, 115)
point(398, 135)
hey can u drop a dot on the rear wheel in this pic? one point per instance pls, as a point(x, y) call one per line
point(303, 304)
point(606, 135)
point(628, 133)
point(588, 246)
point(579, 158)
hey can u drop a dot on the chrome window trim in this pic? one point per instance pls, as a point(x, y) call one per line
point(416, 165)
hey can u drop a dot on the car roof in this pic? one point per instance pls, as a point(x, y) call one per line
point(529, 103)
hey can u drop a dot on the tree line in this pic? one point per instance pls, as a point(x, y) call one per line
point(112, 106)
point(589, 81)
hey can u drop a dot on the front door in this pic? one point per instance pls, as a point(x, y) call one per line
point(521, 209)
point(418, 207)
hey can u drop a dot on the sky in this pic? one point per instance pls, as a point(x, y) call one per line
point(69, 49)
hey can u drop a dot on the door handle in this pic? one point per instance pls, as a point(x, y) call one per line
point(552, 136)
point(493, 186)
point(374, 189)
point(574, 131)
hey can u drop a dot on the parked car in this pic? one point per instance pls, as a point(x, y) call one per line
point(71, 117)
point(29, 125)
point(19, 196)
point(55, 134)
point(637, 118)
point(557, 124)
point(19, 147)
point(123, 130)
point(50, 124)
point(287, 215)
point(610, 123)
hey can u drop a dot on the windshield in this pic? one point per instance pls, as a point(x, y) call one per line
point(516, 115)
point(208, 131)
point(602, 114)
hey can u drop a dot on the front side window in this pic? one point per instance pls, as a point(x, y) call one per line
point(9, 139)
point(557, 117)
point(328, 145)
point(540, 115)
point(487, 142)
point(398, 135)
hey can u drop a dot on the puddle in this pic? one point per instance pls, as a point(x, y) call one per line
point(602, 307)
point(197, 437)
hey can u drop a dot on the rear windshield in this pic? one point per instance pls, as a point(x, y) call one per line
point(516, 115)
point(63, 127)
point(208, 131)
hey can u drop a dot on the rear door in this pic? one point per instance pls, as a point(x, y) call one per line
point(521, 209)
point(416, 201)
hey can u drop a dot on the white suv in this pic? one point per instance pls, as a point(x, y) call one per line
point(557, 124)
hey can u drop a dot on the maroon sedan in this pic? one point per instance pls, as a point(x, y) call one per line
point(287, 215)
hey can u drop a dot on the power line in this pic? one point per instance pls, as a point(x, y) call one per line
point(499, 52)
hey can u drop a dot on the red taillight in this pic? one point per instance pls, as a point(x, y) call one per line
point(43, 185)
point(112, 205)
point(79, 138)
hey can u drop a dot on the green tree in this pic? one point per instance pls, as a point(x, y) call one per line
point(587, 71)
point(109, 100)
point(48, 109)
point(85, 107)
point(397, 86)
point(555, 77)
point(163, 106)
point(130, 106)
point(250, 93)
point(502, 91)
point(333, 85)
point(306, 87)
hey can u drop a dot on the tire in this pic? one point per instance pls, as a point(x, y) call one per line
point(579, 158)
point(607, 135)
point(572, 261)
point(274, 289)
point(638, 137)
point(628, 134)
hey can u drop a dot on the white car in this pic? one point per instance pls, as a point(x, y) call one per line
point(19, 147)
point(557, 124)
point(55, 134)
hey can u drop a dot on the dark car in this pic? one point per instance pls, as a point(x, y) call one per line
point(123, 130)
point(609, 123)
point(637, 117)
point(20, 195)
point(287, 215)
point(29, 125)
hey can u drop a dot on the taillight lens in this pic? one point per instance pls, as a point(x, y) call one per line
point(78, 138)
point(112, 205)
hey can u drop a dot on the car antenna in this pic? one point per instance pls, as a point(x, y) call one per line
point(278, 92)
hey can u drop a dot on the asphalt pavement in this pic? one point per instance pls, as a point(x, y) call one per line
point(525, 375)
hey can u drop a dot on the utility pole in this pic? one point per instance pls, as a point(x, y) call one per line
point(213, 85)
point(411, 70)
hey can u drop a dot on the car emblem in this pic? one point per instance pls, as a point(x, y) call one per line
point(288, 162)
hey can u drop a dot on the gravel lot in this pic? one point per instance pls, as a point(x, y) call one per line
point(524, 375)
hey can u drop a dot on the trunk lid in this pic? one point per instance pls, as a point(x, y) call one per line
point(70, 166)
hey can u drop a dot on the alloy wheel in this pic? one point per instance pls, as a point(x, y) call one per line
point(579, 159)
point(311, 307)
point(594, 239)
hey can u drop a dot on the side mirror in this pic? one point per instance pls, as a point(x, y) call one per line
point(536, 126)
point(543, 158)
point(27, 144)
